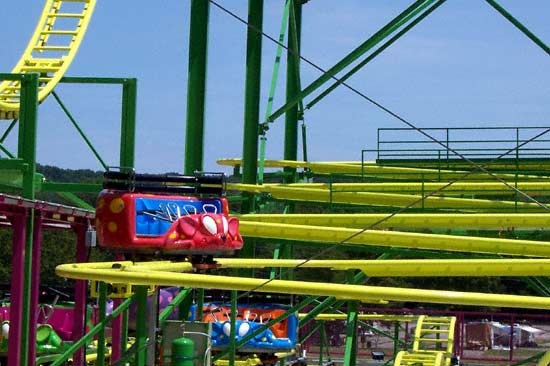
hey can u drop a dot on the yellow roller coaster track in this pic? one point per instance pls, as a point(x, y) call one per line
point(377, 268)
point(383, 238)
point(391, 172)
point(383, 199)
point(493, 221)
point(163, 274)
point(457, 188)
point(50, 51)
point(433, 342)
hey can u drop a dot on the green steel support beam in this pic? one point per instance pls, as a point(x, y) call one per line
point(248, 251)
point(328, 302)
point(292, 85)
point(79, 130)
point(200, 303)
point(180, 297)
point(102, 302)
point(8, 130)
point(252, 97)
point(196, 86)
point(6, 152)
point(128, 123)
point(232, 332)
point(92, 80)
point(17, 164)
point(124, 330)
point(350, 351)
point(312, 331)
point(544, 281)
point(252, 114)
point(96, 329)
point(76, 200)
point(27, 131)
point(27, 152)
point(71, 187)
point(286, 252)
point(539, 284)
point(519, 26)
point(396, 338)
point(128, 114)
point(350, 58)
point(274, 78)
point(184, 307)
point(381, 49)
point(141, 326)
point(331, 301)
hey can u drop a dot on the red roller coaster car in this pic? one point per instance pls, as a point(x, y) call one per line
point(142, 213)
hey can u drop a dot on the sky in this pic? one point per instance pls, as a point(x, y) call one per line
point(463, 66)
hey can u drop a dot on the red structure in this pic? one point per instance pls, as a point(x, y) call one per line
point(142, 222)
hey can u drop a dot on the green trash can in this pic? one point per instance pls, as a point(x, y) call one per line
point(183, 352)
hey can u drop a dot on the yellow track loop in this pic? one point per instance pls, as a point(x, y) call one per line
point(132, 273)
point(50, 51)
point(373, 268)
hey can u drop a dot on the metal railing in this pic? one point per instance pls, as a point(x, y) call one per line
point(475, 143)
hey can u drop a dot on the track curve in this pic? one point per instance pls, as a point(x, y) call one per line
point(50, 51)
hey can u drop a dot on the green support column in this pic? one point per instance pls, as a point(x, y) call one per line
point(27, 131)
point(322, 341)
point(396, 339)
point(128, 123)
point(124, 339)
point(292, 84)
point(196, 86)
point(252, 97)
point(232, 333)
point(287, 252)
point(350, 352)
point(102, 306)
point(141, 326)
point(185, 306)
point(251, 117)
point(27, 152)
point(200, 304)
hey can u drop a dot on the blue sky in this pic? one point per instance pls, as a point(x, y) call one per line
point(465, 65)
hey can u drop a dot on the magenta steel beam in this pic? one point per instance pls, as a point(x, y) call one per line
point(35, 283)
point(16, 299)
point(79, 320)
